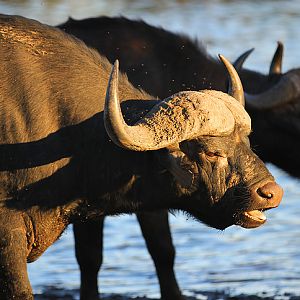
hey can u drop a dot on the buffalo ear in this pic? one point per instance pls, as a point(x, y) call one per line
point(184, 177)
point(171, 161)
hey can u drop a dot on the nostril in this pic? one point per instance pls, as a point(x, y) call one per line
point(264, 193)
point(270, 190)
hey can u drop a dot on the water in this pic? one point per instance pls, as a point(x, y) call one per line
point(237, 260)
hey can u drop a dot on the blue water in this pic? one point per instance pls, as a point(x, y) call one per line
point(237, 260)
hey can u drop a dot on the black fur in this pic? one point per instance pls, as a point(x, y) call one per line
point(59, 164)
point(163, 63)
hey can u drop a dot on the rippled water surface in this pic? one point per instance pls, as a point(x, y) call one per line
point(237, 260)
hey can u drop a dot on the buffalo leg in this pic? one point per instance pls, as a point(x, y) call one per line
point(14, 282)
point(88, 248)
point(156, 231)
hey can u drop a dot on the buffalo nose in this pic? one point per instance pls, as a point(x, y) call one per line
point(272, 192)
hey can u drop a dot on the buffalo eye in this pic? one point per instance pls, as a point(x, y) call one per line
point(213, 156)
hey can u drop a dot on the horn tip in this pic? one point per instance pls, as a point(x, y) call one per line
point(280, 46)
point(251, 50)
point(116, 63)
point(223, 59)
point(115, 68)
point(280, 43)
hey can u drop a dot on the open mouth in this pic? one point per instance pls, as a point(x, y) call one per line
point(265, 196)
point(253, 218)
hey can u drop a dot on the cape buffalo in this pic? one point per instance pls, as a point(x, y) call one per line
point(67, 152)
point(163, 63)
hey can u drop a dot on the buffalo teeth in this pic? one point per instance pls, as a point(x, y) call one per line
point(256, 215)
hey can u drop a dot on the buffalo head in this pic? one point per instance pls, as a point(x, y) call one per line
point(217, 178)
point(278, 89)
point(273, 101)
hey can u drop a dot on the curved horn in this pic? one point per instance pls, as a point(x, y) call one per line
point(115, 125)
point(235, 86)
point(113, 119)
point(276, 64)
point(183, 116)
point(238, 63)
point(287, 89)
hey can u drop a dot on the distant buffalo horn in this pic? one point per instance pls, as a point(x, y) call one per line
point(287, 89)
point(238, 63)
point(276, 64)
point(235, 85)
point(183, 116)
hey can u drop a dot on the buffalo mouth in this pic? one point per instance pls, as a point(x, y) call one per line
point(253, 218)
point(268, 195)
